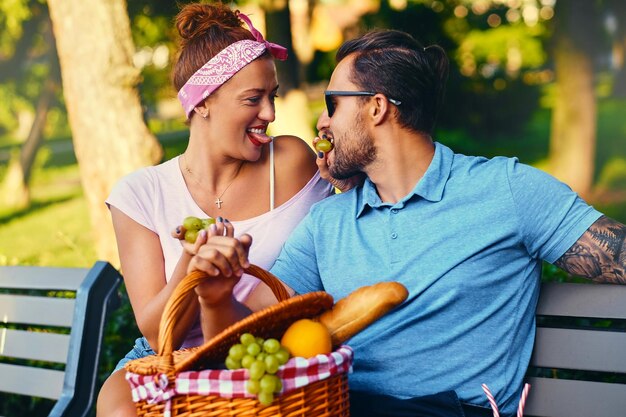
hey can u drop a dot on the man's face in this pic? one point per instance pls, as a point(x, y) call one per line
point(353, 147)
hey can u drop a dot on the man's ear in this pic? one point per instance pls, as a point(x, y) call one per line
point(379, 109)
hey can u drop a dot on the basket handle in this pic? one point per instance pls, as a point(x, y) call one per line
point(179, 297)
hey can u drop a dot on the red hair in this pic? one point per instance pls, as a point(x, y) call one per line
point(204, 29)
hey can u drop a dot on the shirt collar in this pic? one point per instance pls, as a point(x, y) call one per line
point(430, 187)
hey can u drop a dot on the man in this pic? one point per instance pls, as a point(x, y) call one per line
point(465, 235)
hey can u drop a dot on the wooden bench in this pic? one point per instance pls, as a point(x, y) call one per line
point(50, 317)
point(578, 366)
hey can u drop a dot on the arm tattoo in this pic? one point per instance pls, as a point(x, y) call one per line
point(599, 254)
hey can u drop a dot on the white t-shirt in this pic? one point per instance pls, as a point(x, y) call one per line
point(157, 198)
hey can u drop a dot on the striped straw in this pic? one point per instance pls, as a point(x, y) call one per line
point(492, 400)
point(522, 400)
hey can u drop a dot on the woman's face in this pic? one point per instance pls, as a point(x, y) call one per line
point(241, 110)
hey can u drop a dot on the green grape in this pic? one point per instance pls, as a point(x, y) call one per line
point(191, 235)
point(232, 363)
point(247, 361)
point(268, 383)
point(266, 398)
point(271, 364)
point(323, 145)
point(247, 338)
point(257, 370)
point(207, 222)
point(253, 386)
point(237, 351)
point(271, 345)
point(282, 355)
point(262, 358)
point(253, 349)
point(192, 223)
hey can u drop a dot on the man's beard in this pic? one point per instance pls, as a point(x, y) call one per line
point(352, 155)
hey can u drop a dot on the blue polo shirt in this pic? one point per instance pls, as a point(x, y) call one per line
point(467, 242)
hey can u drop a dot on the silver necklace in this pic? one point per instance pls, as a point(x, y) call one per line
point(218, 200)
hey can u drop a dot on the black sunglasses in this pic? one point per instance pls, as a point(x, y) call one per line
point(330, 104)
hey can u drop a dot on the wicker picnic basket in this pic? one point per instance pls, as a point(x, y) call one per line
point(326, 397)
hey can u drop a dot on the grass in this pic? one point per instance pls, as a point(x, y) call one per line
point(56, 230)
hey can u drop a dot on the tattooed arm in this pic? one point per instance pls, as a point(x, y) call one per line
point(599, 254)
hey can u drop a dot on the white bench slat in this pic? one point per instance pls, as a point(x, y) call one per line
point(37, 382)
point(44, 346)
point(49, 278)
point(584, 398)
point(44, 311)
point(582, 300)
point(587, 350)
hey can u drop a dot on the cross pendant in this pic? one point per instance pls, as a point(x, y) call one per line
point(218, 203)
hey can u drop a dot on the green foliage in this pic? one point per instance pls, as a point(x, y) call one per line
point(8, 94)
point(495, 46)
point(13, 13)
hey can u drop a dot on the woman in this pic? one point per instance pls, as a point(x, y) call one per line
point(231, 169)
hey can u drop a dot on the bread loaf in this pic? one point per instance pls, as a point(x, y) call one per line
point(361, 308)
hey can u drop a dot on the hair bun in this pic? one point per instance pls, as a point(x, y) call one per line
point(438, 59)
point(196, 19)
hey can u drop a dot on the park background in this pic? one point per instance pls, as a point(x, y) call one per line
point(85, 98)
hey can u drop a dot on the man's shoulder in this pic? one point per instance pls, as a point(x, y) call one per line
point(337, 202)
point(493, 167)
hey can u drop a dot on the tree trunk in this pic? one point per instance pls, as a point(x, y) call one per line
point(15, 186)
point(573, 130)
point(109, 134)
point(278, 28)
point(293, 115)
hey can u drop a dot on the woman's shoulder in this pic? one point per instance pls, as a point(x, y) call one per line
point(294, 154)
point(148, 177)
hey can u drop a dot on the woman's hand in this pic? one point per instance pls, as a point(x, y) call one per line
point(322, 165)
point(221, 256)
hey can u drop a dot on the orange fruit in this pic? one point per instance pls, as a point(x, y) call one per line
point(307, 338)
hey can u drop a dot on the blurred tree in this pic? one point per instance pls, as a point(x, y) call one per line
point(278, 29)
point(573, 130)
point(32, 56)
point(99, 84)
point(615, 22)
point(293, 114)
point(492, 50)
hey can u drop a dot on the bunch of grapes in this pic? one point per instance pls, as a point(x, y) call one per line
point(261, 358)
point(193, 225)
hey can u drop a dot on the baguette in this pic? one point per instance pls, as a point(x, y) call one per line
point(361, 308)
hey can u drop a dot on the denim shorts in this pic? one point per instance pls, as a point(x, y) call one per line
point(140, 350)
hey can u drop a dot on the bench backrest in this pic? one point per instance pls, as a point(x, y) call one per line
point(580, 349)
point(52, 316)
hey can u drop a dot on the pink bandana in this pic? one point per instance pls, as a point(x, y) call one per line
point(224, 65)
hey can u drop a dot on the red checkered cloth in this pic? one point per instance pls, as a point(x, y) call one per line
point(296, 373)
